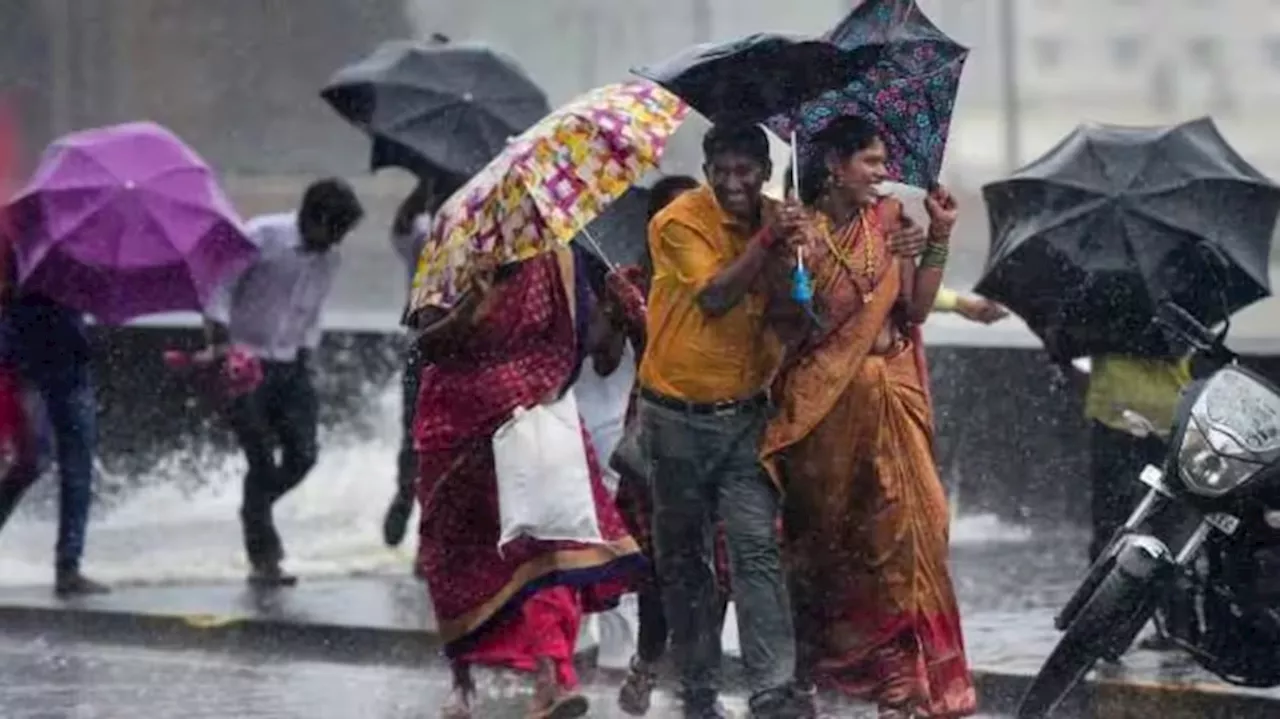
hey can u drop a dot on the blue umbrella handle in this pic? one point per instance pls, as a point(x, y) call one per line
point(801, 282)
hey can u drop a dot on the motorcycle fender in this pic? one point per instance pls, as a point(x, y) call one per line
point(1146, 558)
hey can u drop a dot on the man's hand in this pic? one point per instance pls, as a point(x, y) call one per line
point(981, 310)
point(795, 228)
point(943, 211)
point(791, 220)
point(908, 240)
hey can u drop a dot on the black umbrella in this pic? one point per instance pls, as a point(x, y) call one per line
point(620, 235)
point(753, 78)
point(1089, 239)
point(436, 108)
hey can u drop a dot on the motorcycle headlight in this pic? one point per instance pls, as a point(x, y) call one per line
point(1232, 433)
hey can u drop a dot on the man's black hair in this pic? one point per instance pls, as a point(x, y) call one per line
point(747, 140)
point(333, 201)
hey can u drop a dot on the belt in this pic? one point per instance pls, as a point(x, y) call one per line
point(731, 406)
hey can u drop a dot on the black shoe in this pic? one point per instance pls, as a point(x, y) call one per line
point(396, 523)
point(72, 583)
point(714, 710)
point(783, 703)
point(270, 576)
point(703, 706)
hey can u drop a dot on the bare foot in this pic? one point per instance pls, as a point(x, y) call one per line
point(458, 705)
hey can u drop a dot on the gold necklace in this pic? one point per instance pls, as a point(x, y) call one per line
point(845, 256)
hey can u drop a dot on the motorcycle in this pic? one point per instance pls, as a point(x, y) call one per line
point(1198, 553)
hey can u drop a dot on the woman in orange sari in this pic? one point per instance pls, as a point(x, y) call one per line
point(865, 515)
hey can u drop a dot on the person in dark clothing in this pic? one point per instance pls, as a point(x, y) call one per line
point(408, 234)
point(273, 310)
point(48, 344)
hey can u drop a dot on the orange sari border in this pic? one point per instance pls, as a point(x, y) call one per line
point(593, 557)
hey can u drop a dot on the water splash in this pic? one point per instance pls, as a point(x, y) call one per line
point(331, 525)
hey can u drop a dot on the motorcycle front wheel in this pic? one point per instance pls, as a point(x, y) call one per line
point(1120, 603)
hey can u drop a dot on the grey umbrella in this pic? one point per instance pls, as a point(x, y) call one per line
point(437, 107)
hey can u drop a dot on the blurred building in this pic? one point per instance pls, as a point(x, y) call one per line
point(238, 79)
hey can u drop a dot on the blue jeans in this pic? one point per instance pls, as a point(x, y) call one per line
point(700, 464)
point(65, 405)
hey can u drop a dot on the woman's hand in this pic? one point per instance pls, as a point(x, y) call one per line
point(943, 211)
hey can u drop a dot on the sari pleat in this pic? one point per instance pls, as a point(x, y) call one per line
point(865, 514)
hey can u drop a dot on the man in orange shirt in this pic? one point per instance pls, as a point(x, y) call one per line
point(703, 408)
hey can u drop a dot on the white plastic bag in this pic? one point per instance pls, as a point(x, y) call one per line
point(544, 482)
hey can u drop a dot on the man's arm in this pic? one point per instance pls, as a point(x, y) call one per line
point(217, 312)
point(947, 300)
point(720, 288)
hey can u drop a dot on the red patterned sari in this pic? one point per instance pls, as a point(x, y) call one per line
point(510, 609)
point(865, 515)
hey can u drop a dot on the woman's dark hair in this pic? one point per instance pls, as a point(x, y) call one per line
point(813, 176)
point(747, 140)
point(333, 203)
point(668, 189)
point(846, 136)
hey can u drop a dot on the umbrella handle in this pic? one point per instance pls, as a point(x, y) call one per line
point(795, 164)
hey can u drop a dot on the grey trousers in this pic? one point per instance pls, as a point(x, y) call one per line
point(699, 463)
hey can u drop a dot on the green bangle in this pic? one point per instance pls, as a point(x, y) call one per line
point(935, 255)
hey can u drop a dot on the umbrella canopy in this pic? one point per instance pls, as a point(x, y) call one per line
point(547, 185)
point(908, 94)
point(437, 108)
point(1089, 239)
point(620, 235)
point(753, 78)
point(125, 221)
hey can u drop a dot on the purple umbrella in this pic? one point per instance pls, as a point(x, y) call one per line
point(125, 221)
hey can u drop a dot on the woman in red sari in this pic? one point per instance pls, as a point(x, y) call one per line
point(514, 341)
point(865, 514)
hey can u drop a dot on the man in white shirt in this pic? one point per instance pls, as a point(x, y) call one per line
point(273, 309)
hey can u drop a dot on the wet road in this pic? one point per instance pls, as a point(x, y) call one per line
point(42, 680)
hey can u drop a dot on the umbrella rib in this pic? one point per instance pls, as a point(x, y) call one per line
point(1062, 219)
point(1184, 184)
point(1132, 253)
point(83, 152)
point(1055, 182)
point(1166, 223)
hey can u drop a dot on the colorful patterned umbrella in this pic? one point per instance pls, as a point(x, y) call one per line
point(547, 185)
point(909, 94)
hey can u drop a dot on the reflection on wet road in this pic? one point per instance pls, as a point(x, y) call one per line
point(43, 680)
